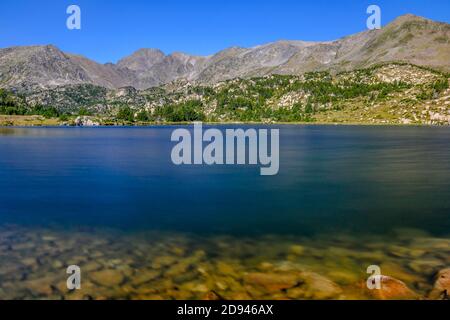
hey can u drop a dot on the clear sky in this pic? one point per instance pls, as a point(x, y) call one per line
point(111, 29)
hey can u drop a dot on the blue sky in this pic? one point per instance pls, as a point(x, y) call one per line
point(112, 29)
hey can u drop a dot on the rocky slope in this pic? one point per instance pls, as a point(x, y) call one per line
point(409, 39)
point(392, 93)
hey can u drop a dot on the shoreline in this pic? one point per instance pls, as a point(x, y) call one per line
point(36, 122)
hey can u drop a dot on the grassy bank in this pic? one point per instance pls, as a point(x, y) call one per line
point(38, 121)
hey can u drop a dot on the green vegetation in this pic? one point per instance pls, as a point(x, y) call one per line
point(126, 114)
point(15, 105)
point(9, 104)
point(373, 94)
point(143, 116)
point(191, 110)
point(84, 112)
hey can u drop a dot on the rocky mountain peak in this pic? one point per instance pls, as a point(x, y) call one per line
point(408, 38)
point(142, 59)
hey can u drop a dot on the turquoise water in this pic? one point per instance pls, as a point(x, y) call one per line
point(110, 201)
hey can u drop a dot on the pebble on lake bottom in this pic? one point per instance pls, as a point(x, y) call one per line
point(162, 265)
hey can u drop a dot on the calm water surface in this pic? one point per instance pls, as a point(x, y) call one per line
point(361, 179)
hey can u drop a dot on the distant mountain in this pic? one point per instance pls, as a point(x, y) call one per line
point(409, 39)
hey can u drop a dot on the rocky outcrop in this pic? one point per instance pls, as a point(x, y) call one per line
point(84, 121)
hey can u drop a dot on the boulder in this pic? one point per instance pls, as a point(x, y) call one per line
point(318, 287)
point(393, 289)
point(107, 277)
point(212, 295)
point(441, 289)
point(297, 285)
point(84, 121)
point(272, 281)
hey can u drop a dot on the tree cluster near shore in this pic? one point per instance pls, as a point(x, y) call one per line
point(381, 93)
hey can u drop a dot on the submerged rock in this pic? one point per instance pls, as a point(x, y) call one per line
point(107, 277)
point(41, 286)
point(441, 289)
point(319, 287)
point(272, 281)
point(404, 252)
point(144, 276)
point(225, 268)
point(393, 289)
point(427, 266)
point(396, 271)
point(297, 250)
point(212, 295)
point(297, 285)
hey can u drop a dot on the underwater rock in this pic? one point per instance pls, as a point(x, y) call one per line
point(425, 266)
point(396, 271)
point(41, 286)
point(239, 296)
point(48, 238)
point(107, 277)
point(297, 250)
point(194, 287)
point(272, 281)
point(404, 252)
point(430, 244)
point(296, 293)
point(225, 268)
point(441, 289)
point(177, 269)
point(29, 262)
point(163, 261)
point(265, 266)
point(23, 246)
point(343, 276)
point(57, 264)
point(212, 295)
point(144, 276)
point(9, 267)
point(393, 289)
point(91, 266)
point(319, 287)
point(178, 251)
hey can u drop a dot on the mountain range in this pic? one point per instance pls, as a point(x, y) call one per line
point(409, 39)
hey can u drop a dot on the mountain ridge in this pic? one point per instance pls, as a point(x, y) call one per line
point(408, 38)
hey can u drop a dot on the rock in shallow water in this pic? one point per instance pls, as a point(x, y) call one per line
point(319, 287)
point(441, 289)
point(212, 295)
point(144, 276)
point(393, 289)
point(297, 250)
point(298, 285)
point(41, 286)
point(272, 281)
point(107, 277)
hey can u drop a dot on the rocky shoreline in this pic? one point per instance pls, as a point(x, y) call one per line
point(159, 265)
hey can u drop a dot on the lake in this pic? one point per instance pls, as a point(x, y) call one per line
point(345, 197)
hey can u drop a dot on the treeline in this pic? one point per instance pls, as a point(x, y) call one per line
point(15, 105)
point(191, 110)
